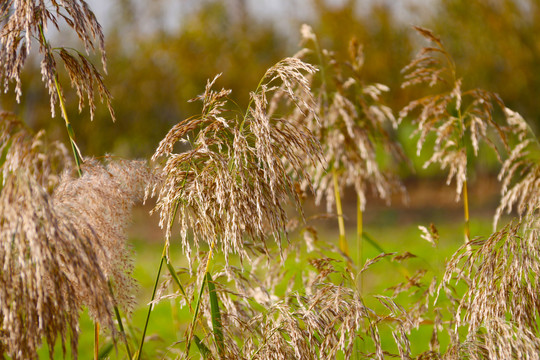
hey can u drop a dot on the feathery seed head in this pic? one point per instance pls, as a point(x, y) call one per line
point(102, 198)
point(46, 263)
point(24, 21)
point(30, 153)
point(501, 305)
point(351, 122)
point(459, 119)
point(234, 180)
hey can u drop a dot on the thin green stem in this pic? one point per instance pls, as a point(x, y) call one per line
point(96, 341)
point(466, 211)
point(359, 240)
point(339, 209)
point(120, 325)
point(71, 134)
point(151, 307)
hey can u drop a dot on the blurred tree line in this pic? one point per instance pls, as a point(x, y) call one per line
point(153, 74)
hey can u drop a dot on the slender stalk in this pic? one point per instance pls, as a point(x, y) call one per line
point(197, 306)
point(359, 240)
point(96, 341)
point(151, 307)
point(339, 209)
point(71, 134)
point(466, 211)
point(120, 325)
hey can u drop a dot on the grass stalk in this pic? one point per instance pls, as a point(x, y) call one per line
point(343, 246)
point(198, 304)
point(195, 316)
point(359, 239)
point(96, 341)
point(71, 134)
point(122, 331)
point(466, 212)
point(151, 306)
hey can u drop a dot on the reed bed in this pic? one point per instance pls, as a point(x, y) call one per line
point(233, 182)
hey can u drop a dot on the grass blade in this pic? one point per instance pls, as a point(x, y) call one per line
point(195, 315)
point(205, 352)
point(216, 315)
point(139, 352)
point(373, 243)
point(105, 351)
point(175, 277)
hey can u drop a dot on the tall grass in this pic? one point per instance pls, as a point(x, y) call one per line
point(229, 180)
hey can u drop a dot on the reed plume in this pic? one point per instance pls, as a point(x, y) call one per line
point(32, 153)
point(352, 122)
point(25, 22)
point(103, 197)
point(236, 174)
point(520, 172)
point(500, 305)
point(458, 119)
point(46, 263)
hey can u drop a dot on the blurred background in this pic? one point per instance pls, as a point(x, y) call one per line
point(161, 52)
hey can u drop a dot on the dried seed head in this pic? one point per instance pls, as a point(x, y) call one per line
point(46, 263)
point(458, 119)
point(235, 178)
point(24, 21)
point(102, 199)
point(30, 153)
point(500, 306)
point(350, 123)
point(520, 172)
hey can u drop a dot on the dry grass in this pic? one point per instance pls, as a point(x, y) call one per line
point(47, 263)
point(459, 119)
point(236, 175)
point(351, 122)
point(26, 21)
point(31, 153)
point(102, 200)
point(500, 307)
point(226, 177)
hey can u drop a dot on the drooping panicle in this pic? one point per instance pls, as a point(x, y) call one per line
point(26, 22)
point(46, 262)
point(459, 119)
point(103, 198)
point(236, 173)
point(352, 124)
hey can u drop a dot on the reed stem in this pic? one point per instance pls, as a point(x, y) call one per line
point(466, 211)
point(151, 307)
point(343, 246)
point(359, 240)
point(96, 341)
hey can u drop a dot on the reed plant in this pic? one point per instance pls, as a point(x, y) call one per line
point(354, 128)
point(229, 179)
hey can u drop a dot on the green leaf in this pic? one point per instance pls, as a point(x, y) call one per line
point(196, 313)
point(216, 315)
point(105, 351)
point(175, 277)
point(205, 352)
